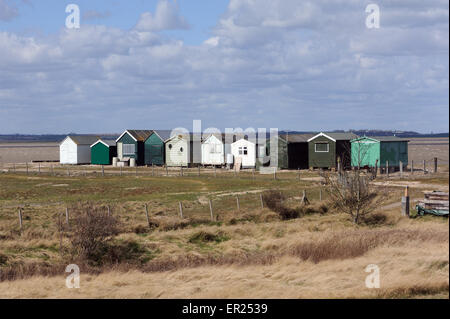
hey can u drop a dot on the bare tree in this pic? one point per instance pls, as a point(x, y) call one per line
point(352, 191)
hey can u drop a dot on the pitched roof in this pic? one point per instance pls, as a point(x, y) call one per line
point(296, 138)
point(83, 139)
point(137, 135)
point(163, 134)
point(107, 143)
point(389, 138)
point(336, 136)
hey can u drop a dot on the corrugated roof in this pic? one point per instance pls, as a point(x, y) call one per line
point(388, 138)
point(84, 139)
point(140, 135)
point(342, 136)
point(109, 142)
point(296, 138)
point(163, 134)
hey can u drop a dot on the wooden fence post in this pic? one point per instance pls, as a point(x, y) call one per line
point(136, 171)
point(387, 168)
point(67, 216)
point(103, 170)
point(27, 167)
point(274, 173)
point(39, 168)
point(68, 171)
point(167, 171)
point(305, 200)
point(237, 203)
point(109, 211)
point(298, 173)
point(20, 219)
point(211, 210)
point(261, 199)
point(181, 170)
point(435, 161)
point(199, 171)
point(146, 215)
point(153, 170)
point(51, 168)
point(320, 194)
point(424, 167)
point(181, 209)
point(253, 173)
point(120, 170)
point(215, 173)
point(14, 168)
point(405, 203)
point(412, 167)
point(401, 168)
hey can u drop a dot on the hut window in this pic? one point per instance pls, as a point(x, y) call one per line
point(243, 150)
point(128, 149)
point(181, 149)
point(170, 146)
point(218, 148)
point(322, 147)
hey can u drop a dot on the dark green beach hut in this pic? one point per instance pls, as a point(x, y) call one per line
point(154, 147)
point(103, 151)
point(131, 145)
point(326, 148)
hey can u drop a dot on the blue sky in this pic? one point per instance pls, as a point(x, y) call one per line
point(159, 64)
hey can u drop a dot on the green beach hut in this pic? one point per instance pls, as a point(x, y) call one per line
point(103, 151)
point(154, 147)
point(131, 145)
point(325, 149)
point(367, 150)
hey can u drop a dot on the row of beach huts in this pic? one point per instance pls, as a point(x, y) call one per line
point(294, 151)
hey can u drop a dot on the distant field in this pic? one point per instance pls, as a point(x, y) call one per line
point(16, 152)
point(426, 148)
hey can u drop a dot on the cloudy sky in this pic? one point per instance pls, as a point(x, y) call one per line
point(159, 64)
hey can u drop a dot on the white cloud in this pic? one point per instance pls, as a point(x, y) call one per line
point(309, 65)
point(166, 17)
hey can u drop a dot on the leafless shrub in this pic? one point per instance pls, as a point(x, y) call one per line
point(275, 201)
point(352, 193)
point(92, 230)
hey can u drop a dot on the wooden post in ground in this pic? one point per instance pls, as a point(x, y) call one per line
point(167, 171)
point(237, 203)
point(135, 171)
point(181, 209)
point(68, 171)
point(424, 167)
point(412, 167)
point(305, 200)
point(27, 167)
point(211, 210)
point(298, 173)
point(109, 211)
point(215, 173)
point(339, 164)
point(14, 168)
point(39, 168)
point(198, 171)
point(401, 169)
point(67, 216)
point(320, 194)
point(146, 215)
point(120, 170)
point(103, 170)
point(405, 203)
point(153, 170)
point(435, 162)
point(387, 169)
point(274, 173)
point(261, 200)
point(181, 170)
point(20, 219)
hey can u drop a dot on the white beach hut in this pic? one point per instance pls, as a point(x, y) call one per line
point(76, 149)
point(213, 150)
point(244, 151)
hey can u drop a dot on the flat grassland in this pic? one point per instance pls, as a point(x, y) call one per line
point(245, 252)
